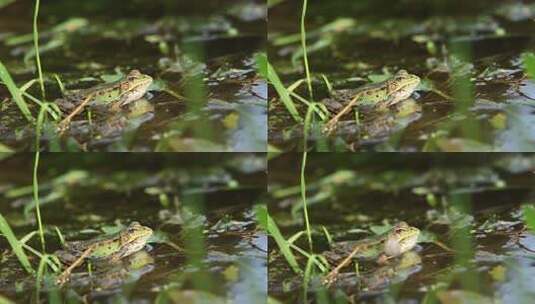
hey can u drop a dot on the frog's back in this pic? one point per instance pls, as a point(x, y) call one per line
point(368, 94)
point(369, 249)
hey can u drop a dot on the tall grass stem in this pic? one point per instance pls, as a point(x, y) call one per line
point(304, 46)
point(304, 199)
point(36, 46)
point(36, 199)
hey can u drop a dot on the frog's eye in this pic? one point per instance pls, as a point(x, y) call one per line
point(133, 74)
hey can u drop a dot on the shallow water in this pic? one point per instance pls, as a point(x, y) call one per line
point(207, 94)
point(352, 195)
point(204, 206)
point(471, 56)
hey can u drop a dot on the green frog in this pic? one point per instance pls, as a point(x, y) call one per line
point(398, 240)
point(378, 95)
point(382, 94)
point(107, 249)
point(114, 95)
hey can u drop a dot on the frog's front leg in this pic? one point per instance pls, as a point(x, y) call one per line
point(117, 105)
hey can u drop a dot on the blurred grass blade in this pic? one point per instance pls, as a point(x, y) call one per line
point(15, 244)
point(5, 150)
point(308, 276)
point(529, 64)
point(283, 244)
point(261, 215)
point(39, 126)
point(4, 300)
point(15, 92)
point(529, 217)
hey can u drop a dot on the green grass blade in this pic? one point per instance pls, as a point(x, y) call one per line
point(5, 150)
point(15, 93)
point(15, 244)
point(529, 64)
point(36, 200)
point(261, 215)
point(304, 199)
point(36, 48)
point(308, 276)
point(39, 127)
point(529, 217)
point(284, 246)
point(304, 48)
point(283, 93)
point(4, 300)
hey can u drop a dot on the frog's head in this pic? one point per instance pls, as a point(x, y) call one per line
point(402, 85)
point(134, 86)
point(401, 239)
point(134, 237)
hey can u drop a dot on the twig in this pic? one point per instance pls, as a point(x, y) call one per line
point(63, 125)
point(330, 125)
point(64, 276)
point(443, 246)
point(331, 276)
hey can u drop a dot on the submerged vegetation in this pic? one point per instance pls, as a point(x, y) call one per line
point(464, 228)
point(183, 223)
point(475, 65)
point(206, 95)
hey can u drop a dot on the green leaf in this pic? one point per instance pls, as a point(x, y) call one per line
point(5, 2)
point(529, 64)
point(15, 92)
point(15, 244)
point(284, 245)
point(282, 91)
point(529, 216)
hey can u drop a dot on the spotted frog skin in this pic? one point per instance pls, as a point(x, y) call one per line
point(108, 249)
point(398, 240)
point(382, 94)
point(117, 94)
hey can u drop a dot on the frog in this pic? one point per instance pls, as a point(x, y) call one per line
point(379, 95)
point(108, 249)
point(399, 239)
point(113, 95)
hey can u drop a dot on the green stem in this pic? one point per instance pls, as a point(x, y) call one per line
point(36, 46)
point(36, 199)
point(304, 199)
point(304, 46)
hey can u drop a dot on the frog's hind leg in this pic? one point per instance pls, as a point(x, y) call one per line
point(331, 124)
point(64, 276)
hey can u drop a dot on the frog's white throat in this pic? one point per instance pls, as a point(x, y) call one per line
point(394, 247)
point(136, 94)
